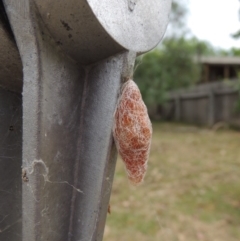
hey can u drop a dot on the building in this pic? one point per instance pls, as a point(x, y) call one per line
point(219, 68)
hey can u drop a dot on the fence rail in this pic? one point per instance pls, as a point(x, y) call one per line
point(204, 104)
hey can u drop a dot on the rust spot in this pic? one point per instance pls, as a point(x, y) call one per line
point(66, 26)
point(11, 128)
point(24, 175)
point(59, 42)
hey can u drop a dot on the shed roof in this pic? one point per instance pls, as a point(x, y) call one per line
point(220, 60)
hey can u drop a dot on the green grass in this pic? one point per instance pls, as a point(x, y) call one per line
point(191, 190)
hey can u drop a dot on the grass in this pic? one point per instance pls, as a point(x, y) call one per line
point(191, 190)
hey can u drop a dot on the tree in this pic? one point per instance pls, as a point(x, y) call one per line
point(177, 19)
point(168, 68)
point(237, 34)
point(174, 64)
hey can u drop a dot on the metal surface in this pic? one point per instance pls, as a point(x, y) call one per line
point(137, 25)
point(10, 165)
point(10, 62)
point(10, 134)
point(90, 30)
point(68, 154)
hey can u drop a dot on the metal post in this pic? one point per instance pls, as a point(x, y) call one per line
point(10, 134)
point(75, 56)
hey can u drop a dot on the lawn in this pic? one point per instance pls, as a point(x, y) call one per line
point(191, 190)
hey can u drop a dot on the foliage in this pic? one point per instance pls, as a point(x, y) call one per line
point(231, 52)
point(170, 67)
point(236, 35)
point(235, 51)
point(175, 63)
point(177, 19)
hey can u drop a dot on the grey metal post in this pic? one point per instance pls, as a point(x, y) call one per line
point(75, 56)
point(10, 135)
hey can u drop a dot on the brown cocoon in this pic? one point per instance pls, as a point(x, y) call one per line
point(132, 132)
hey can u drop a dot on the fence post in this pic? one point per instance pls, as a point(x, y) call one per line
point(178, 108)
point(211, 108)
point(75, 56)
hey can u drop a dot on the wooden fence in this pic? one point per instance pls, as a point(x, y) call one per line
point(204, 104)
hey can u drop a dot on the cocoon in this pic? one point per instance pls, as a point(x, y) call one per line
point(132, 131)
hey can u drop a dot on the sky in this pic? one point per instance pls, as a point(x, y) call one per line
point(214, 21)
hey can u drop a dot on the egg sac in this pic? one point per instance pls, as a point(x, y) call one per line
point(132, 131)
